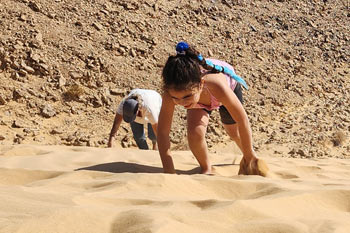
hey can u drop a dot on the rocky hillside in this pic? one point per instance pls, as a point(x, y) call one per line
point(66, 64)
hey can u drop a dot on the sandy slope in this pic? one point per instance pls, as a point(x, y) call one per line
point(294, 56)
point(80, 189)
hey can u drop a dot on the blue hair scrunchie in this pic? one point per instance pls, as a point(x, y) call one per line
point(181, 48)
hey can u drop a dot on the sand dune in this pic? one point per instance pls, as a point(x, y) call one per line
point(80, 189)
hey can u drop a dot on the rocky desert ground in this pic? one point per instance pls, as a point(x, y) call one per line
point(66, 64)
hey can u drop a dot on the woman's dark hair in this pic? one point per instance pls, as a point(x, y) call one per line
point(183, 70)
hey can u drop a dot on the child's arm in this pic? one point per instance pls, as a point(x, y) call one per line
point(219, 88)
point(117, 121)
point(163, 139)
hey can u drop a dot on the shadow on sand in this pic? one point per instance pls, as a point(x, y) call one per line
point(122, 167)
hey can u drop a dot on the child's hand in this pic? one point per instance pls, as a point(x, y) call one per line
point(110, 142)
point(253, 167)
point(169, 171)
point(210, 171)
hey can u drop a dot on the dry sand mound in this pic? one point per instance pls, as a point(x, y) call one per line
point(81, 189)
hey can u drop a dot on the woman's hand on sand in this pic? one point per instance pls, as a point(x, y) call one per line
point(253, 166)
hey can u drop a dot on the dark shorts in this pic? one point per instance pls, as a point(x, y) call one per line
point(224, 113)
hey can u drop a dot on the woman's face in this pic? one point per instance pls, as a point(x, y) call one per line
point(187, 98)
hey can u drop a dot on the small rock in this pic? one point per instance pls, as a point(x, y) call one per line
point(18, 124)
point(17, 140)
point(56, 131)
point(48, 111)
point(125, 144)
point(17, 94)
point(253, 28)
point(75, 75)
point(29, 69)
point(22, 72)
point(98, 26)
point(35, 7)
point(61, 81)
point(133, 53)
point(2, 101)
point(117, 91)
point(301, 153)
point(259, 57)
point(23, 18)
point(39, 37)
point(35, 57)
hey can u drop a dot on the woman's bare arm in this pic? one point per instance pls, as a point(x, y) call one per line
point(117, 121)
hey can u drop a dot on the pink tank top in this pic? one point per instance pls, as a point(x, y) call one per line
point(214, 103)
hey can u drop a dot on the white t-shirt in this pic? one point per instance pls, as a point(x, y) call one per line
point(151, 104)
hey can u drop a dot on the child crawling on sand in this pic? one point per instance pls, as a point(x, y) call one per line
point(202, 85)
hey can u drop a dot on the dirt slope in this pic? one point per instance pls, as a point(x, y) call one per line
point(65, 65)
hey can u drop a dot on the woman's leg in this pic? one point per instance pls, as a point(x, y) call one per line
point(139, 135)
point(152, 136)
point(197, 122)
